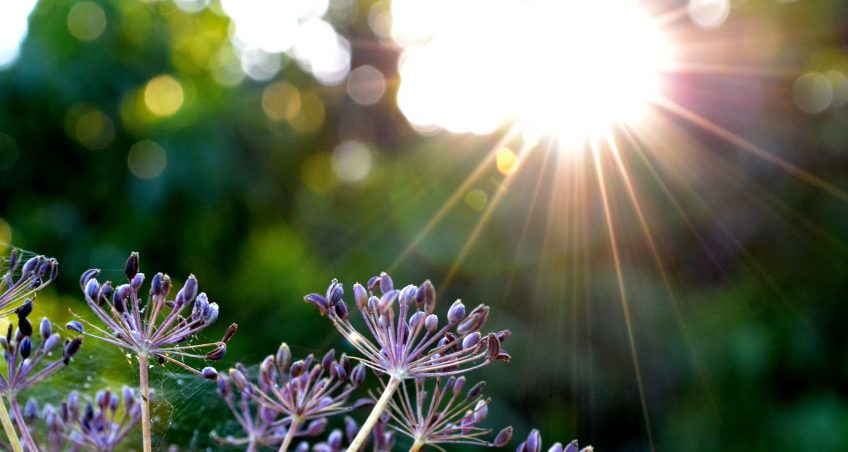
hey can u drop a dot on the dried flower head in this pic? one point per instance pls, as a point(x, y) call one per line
point(450, 415)
point(290, 394)
point(20, 282)
point(27, 363)
point(533, 443)
point(138, 328)
point(410, 343)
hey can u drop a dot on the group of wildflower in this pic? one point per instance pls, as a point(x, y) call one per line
point(418, 359)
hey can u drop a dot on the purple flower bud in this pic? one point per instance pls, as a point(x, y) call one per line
point(357, 376)
point(316, 427)
point(351, 428)
point(268, 415)
point(503, 438)
point(416, 319)
point(46, 328)
point(113, 403)
point(471, 340)
point(373, 283)
point(105, 294)
point(503, 335)
point(283, 357)
point(373, 303)
point(209, 373)
point(92, 288)
point(317, 300)
point(341, 374)
point(31, 265)
point(534, 441)
point(297, 368)
point(303, 446)
point(156, 285)
point(24, 327)
point(218, 353)
point(362, 403)
point(386, 283)
point(51, 343)
point(456, 312)
point(73, 325)
point(557, 447)
point(408, 295)
point(26, 347)
point(25, 309)
point(231, 331)
point(476, 390)
point(30, 411)
point(137, 281)
point(129, 396)
point(189, 289)
point(341, 310)
point(71, 349)
point(458, 386)
point(122, 292)
point(431, 323)
point(426, 297)
point(335, 439)
point(131, 267)
point(328, 359)
point(211, 314)
point(335, 292)
point(102, 399)
point(360, 296)
point(239, 379)
point(481, 410)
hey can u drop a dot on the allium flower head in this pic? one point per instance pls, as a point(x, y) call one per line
point(28, 363)
point(409, 341)
point(450, 415)
point(22, 279)
point(101, 425)
point(155, 328)
point(533, 443)
point(285, 391)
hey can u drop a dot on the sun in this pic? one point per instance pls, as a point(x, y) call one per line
point(562, 69)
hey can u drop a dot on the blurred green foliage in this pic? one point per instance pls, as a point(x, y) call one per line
point(748, 354)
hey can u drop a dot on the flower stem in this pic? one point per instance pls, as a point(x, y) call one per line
point(362, 436)
point(9, 428)
point(416, 446)
point(289, 434)
point(144, 382)
point(19, 419)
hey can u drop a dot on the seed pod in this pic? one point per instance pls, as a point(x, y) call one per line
point(131, 267)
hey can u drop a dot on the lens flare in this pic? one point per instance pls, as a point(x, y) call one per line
point(563, 69)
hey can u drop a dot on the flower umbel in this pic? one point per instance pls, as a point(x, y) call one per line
point(449, 415)
point(409, 341)
point(301, 391)
point(131, 326)
point(101, 426)
point(20, 282)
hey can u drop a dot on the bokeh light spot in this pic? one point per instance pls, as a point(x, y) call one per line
point(317, 173)
point(146, 160)
point(839, 83)
point(86, 21)
point(13, 28)
point(9, 152)
point(812, 92)
point(709, 13)
point(351, 161)
point(94, 130)
point(281, 101)
point(311, 115)
point(163, 95)
point(506, 160)
point(476, 199)
point(366, 85)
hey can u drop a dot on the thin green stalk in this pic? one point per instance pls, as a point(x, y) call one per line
point(9, 428)
point(289, 435)
point(144, 382)
point(19, 419)
point(362, 436)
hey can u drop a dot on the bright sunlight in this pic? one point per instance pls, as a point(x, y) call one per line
point(584, 66)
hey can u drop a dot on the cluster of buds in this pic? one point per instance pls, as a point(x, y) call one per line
point(383, 438)
point(20, 282)
point(410, 343)
point(133, 326)
point(533, 443)
point(294, 398)
point(99, 426)
point(447, 416)
point(27, 363)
